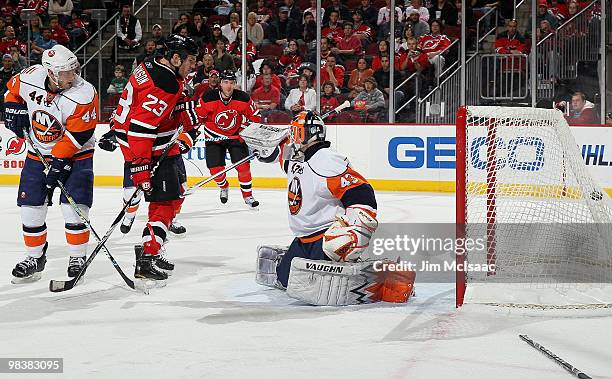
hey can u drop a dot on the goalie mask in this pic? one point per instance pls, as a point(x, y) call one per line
point(306, 127)
point(62, 66)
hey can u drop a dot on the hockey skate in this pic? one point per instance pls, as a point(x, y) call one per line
point(126, 224)
point(146, 272)
point(251, 202)
point(162, 263)
point(30, 269)
point(223, 195)
point(177, 228)
point(75, 265)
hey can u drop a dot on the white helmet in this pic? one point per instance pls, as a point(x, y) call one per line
point(59, 60)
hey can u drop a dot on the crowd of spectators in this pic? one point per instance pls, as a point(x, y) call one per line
point(282, 62)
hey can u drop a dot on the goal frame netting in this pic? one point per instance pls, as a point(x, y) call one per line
point(492, 192)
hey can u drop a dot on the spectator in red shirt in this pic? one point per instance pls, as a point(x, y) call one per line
point(332, 72)
point(58, 33)
point(434, 44)
point(329, 99)
point(266, 97)
point(290, 61)
point(383, 51)
point(510, 41)
point(265, 69)
point(349, 46)
point(559, 10)
point(211, 83)
point(10, 40)
point(414, 60)
point(235, 49)
point(333, 30)
point(581, 111)
point(361, 29)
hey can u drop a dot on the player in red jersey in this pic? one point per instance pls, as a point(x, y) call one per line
point(223, 111)
point(146, 120)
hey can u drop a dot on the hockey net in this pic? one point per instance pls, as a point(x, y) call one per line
point(523, 187)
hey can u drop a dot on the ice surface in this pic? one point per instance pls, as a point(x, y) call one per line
point(213, 321)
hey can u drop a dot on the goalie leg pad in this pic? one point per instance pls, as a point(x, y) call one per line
point(299, 249)
point(268, 259)
point(334, 283)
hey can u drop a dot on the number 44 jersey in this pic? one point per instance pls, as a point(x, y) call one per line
point(61, 124)
point(144, 121)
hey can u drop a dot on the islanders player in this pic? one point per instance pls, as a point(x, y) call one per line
point(332, 213)
point(59, 111)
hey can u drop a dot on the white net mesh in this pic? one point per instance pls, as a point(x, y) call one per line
point(546, 221)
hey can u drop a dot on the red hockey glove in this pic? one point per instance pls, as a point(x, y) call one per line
point(140, 168)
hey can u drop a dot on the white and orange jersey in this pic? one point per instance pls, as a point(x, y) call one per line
point(63, 124)
point(316, 187)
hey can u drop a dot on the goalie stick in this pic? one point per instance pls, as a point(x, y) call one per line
point(192, 189)
point(571, 369)
point(65, 285)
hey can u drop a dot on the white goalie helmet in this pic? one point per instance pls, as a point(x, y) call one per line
point(63, 66)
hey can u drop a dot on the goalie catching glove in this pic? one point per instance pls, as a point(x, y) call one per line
point(349, 236)
point(264, 140)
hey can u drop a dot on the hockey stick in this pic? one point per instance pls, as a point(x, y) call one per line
point(336, 110)
point(571, 369)
point(64, 285)
point(199, 184)
point(79, 212)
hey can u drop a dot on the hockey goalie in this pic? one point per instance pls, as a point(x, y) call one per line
point(332, 213)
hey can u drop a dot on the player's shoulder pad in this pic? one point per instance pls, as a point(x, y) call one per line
point(162, 76)
point(328, 163)
point(82, 92)
point(211, 95)
point(241, 96)
point(34, 75)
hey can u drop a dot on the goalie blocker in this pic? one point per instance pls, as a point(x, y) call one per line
point(332, 213)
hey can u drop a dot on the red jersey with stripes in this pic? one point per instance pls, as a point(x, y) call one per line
point(430, 43)
point(225, 117)
point(146, 120)
point(62, 124)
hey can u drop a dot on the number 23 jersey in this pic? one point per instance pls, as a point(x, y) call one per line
point(316, 187)
point(62, 125)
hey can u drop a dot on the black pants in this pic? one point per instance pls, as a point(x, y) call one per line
point(215, 152)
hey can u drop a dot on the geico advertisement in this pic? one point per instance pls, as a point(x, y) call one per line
point(525, 154)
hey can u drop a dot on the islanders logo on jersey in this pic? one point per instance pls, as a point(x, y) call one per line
point(46, 127)
point(227, 119)
point(295, 196)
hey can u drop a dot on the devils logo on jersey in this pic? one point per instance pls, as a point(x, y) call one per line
point(46, 127)
point(295, 196)
point(227, 119)
point(15, 146)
